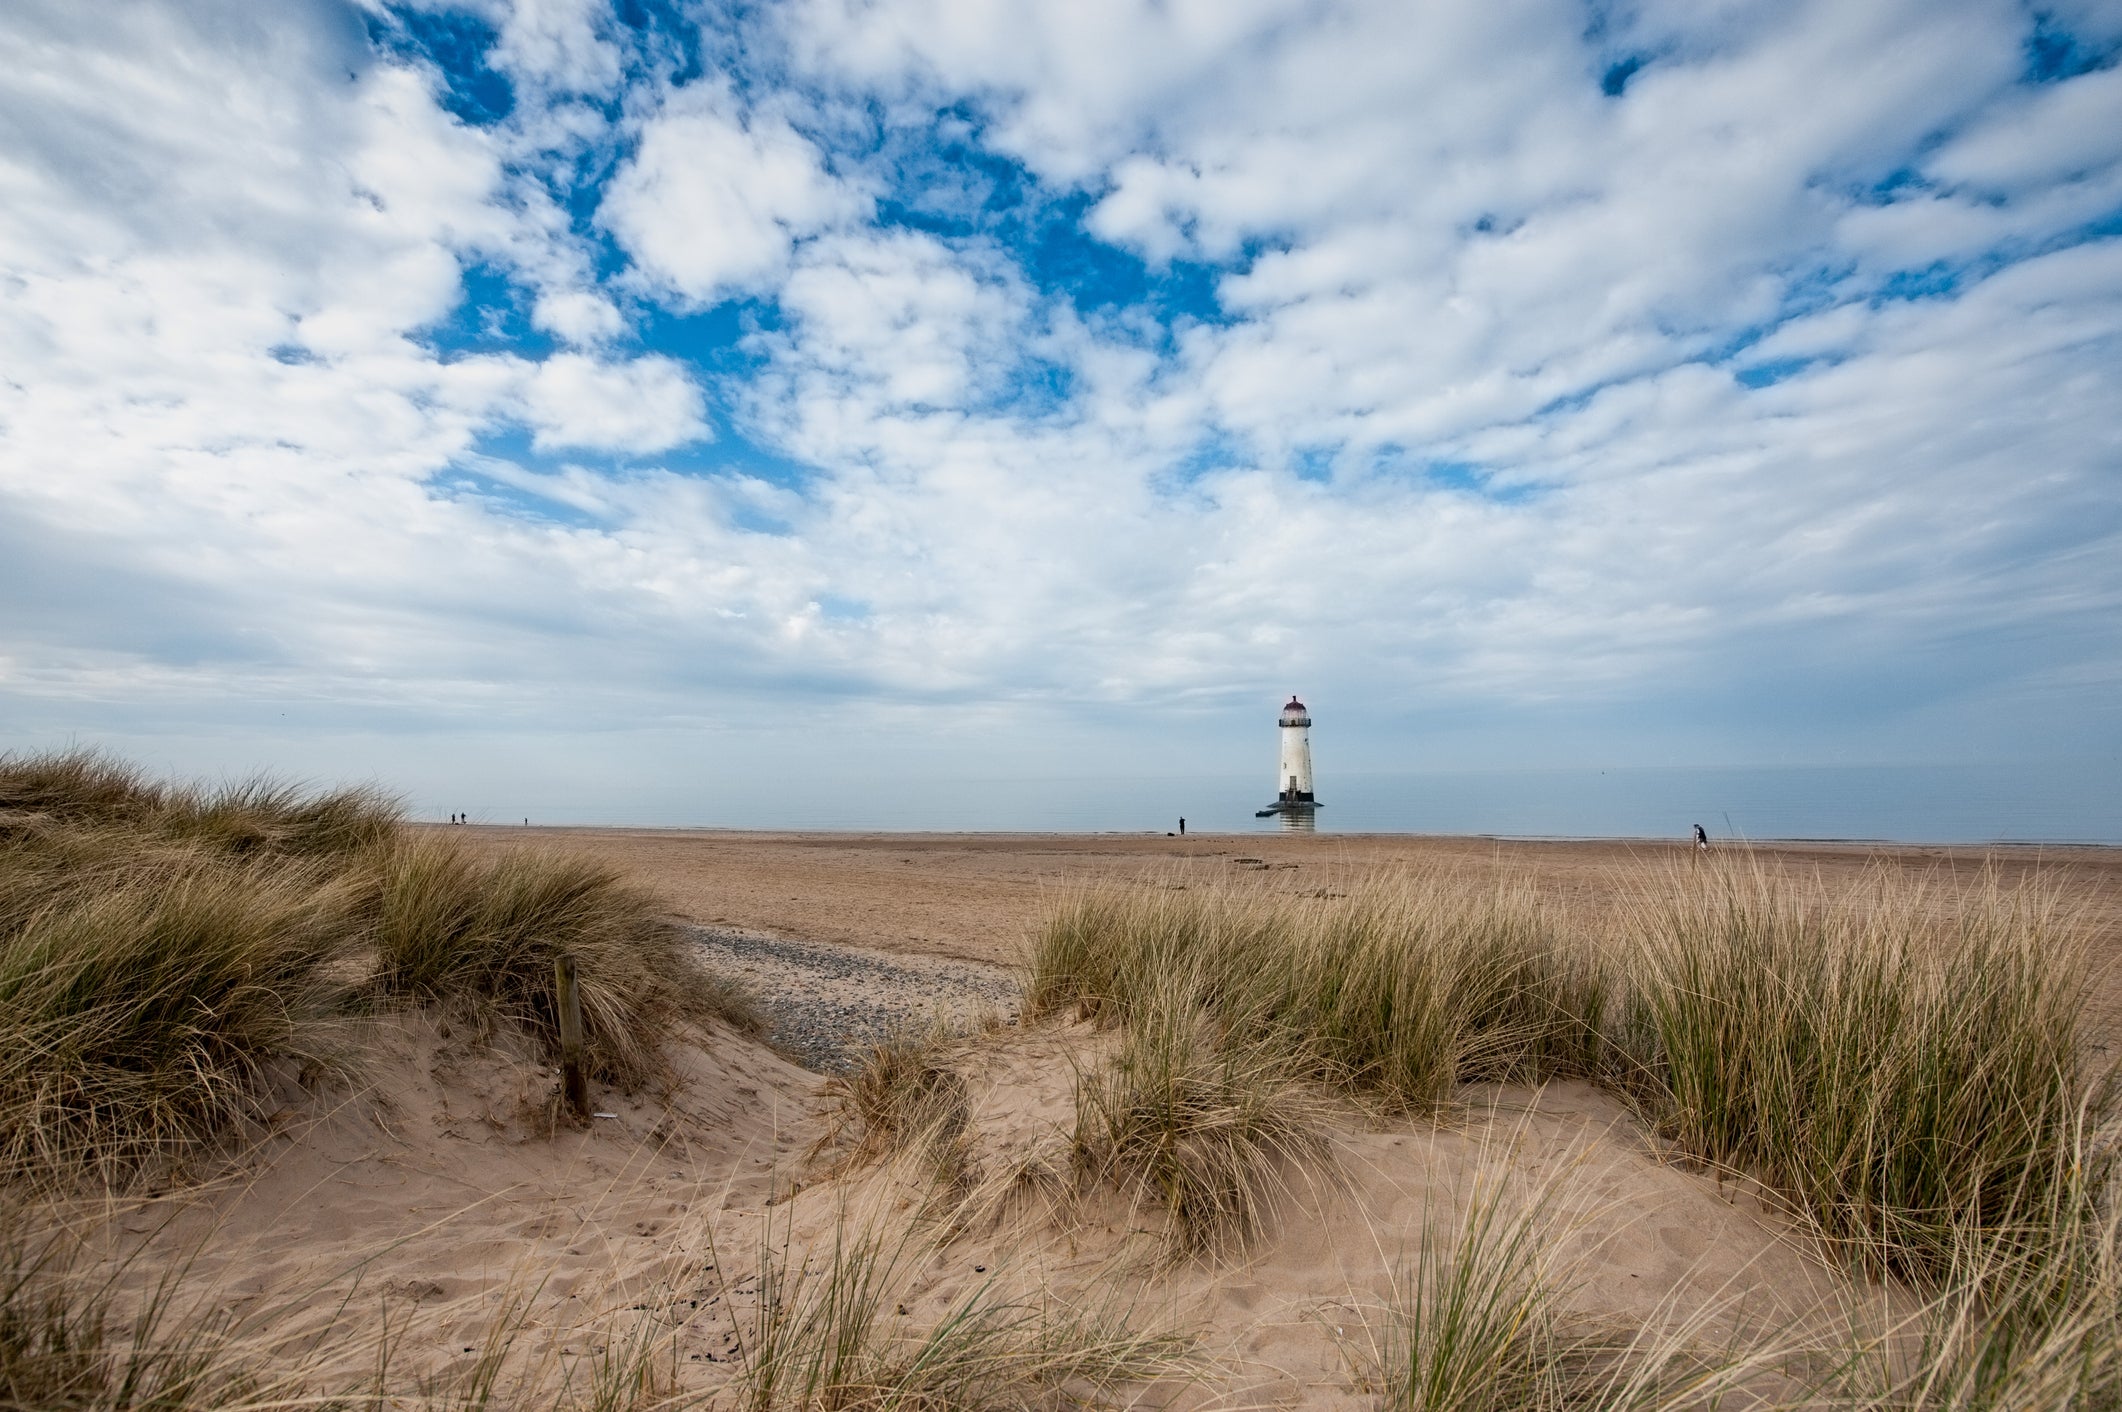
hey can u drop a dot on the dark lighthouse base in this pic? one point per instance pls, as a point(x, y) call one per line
point(1289, 803)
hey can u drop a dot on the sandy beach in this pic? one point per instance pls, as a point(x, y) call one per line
point(978, 897)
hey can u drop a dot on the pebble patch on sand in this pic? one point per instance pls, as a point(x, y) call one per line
point(826, 1005)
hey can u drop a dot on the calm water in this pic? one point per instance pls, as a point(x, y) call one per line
point(1910, 804)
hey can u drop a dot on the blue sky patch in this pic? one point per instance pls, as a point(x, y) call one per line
point(1614, 82)
point(456, 42)
point(1772, 372)
point(2054, 53)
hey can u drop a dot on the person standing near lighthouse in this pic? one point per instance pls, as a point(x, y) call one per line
point(1294, 787)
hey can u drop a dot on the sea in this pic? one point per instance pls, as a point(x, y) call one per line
point(1938, 804)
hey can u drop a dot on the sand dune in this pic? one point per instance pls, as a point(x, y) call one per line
point(439, 1201)
point(435, 1211)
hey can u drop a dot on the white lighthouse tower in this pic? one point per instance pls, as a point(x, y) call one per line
point(1293, 776)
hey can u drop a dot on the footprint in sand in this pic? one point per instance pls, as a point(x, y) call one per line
point(1681, 1241)
point(416, 1290)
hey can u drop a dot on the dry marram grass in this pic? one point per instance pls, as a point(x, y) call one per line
point(1904, 1064)
point(165, 950)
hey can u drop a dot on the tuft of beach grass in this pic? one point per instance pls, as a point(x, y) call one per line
point(1205, 1119)
point(1901, 1060)
point(447, 923)
point(168, 950)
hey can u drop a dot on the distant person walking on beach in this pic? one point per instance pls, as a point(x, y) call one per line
point(1701, 839)
point(1182, 826)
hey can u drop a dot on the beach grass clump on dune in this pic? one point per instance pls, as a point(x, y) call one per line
point(1902, 1059)
point(166, 948)
point(267, 815)
point(2029, 1319)
point(1399, 991)
point(904, 1093)
point(78, 788)
point(1240, 1011)
point(449, 923)
point(1209, 1122)
point(84, 792)
point(138, 1016)
point(1907, 1065)
point(2034, 1327)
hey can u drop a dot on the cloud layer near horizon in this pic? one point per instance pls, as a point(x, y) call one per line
point(851, 362)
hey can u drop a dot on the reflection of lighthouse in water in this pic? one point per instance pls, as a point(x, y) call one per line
point(1293, 777)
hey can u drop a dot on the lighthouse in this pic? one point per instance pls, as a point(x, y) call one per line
point(1293, 775)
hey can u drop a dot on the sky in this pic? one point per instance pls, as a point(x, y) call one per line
point(582, 401)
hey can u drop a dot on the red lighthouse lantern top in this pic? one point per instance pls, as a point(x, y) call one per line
point(1294, 714)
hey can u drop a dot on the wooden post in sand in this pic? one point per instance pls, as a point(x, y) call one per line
point(567, 1000)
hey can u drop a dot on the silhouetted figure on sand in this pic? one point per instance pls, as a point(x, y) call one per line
point(1701, 839)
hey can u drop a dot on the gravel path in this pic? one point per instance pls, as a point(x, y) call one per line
point(826, 1005)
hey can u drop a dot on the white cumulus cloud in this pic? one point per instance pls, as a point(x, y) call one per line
point(647, 404)
point(714, 197)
